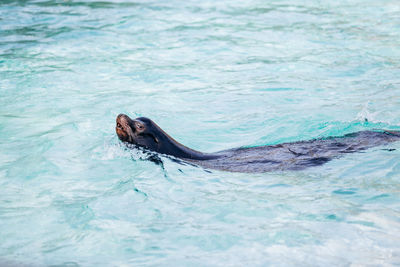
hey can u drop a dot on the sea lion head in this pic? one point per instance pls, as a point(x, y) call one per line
point(140, 131)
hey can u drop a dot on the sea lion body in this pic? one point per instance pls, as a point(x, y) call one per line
point(297, 155)
point(286, 156)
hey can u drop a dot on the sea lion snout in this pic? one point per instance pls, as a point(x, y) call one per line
point(123, 128)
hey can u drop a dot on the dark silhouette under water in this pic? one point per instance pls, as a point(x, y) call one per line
point(143, 132)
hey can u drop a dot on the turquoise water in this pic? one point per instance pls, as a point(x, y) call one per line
point(214, 75)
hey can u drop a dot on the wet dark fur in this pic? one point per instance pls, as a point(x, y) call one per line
point(286, 156)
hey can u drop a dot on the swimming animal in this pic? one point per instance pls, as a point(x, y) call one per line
point(144, 133)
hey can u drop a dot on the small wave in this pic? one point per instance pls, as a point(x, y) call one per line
point(365, 115)
point(377, 119)
point(112, 149)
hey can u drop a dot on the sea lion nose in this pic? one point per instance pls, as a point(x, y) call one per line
point(123, 128)
point(121, 118)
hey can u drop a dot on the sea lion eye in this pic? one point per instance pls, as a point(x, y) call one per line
point(139, 126)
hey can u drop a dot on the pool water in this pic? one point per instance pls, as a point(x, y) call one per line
point(214, 75)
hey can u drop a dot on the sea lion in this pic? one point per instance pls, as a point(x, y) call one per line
point(144, 133)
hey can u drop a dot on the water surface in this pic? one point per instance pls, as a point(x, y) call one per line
point(214, 75)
